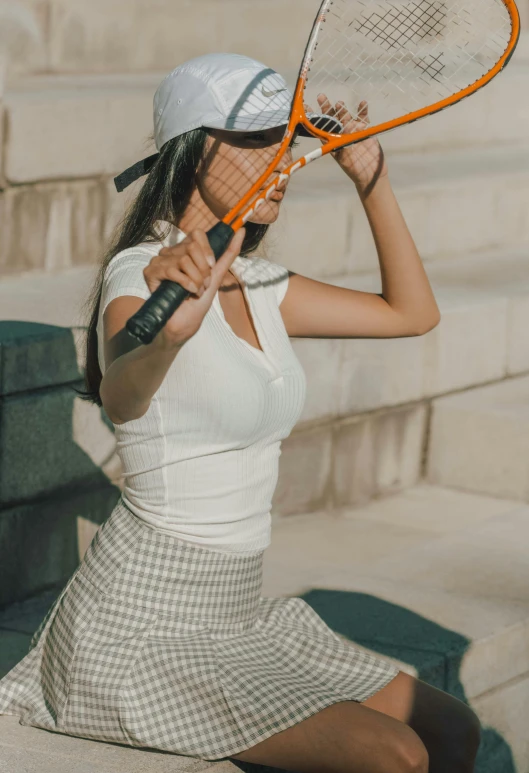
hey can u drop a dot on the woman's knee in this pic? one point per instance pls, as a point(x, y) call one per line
point(410, 753)
point(464, 728)
point(445, 723)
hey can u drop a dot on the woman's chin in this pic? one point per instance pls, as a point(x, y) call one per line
point(267, 214)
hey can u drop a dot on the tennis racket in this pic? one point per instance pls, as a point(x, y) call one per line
point(406, 58)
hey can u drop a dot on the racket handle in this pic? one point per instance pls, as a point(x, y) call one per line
point(164, 301)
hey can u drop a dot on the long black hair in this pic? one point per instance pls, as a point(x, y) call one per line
point(164, 195)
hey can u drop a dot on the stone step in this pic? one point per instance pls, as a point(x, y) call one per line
point(86, 125)
point(364, 428)
point(80, 37)
point(484, 303)
point(436, 581)
point(32, 750)
point(432, 579)
point(455, 204)
point(479, 440)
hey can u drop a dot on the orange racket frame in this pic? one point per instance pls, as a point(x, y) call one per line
point(245, 208)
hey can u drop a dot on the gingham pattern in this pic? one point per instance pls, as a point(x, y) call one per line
point(162, 643)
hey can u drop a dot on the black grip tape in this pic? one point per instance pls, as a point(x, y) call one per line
point(219, 237)
point(153, 315)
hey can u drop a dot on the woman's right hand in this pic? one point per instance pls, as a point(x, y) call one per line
point(187, 264)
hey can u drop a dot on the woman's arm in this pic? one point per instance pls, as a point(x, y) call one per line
point(405, 285)
point(135, 371)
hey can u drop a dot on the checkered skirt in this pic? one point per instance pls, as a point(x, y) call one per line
point(161, 643)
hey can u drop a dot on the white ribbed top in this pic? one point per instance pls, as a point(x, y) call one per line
point(202, 463)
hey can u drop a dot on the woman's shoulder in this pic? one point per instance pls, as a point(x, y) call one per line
point(273, 276)
point(264, 267)
point(143, 251)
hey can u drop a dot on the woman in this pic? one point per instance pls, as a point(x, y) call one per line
point(161, 638)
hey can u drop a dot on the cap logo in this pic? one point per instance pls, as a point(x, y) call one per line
point(271, 93)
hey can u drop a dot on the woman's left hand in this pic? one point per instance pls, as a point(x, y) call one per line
point(363, 162)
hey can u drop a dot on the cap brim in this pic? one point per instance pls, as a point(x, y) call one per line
point(271, 120)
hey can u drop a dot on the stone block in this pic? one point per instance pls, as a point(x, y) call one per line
point(77, 126)
point(116, 205)
point(38, 435)
point(378, 454)
point(22, 37)
point(33, 356)
point(320, 359)
point(39, 540)
point(34, 750)
point(51, 227)
point(517, 339)
point(83, 38)
point(456, 204)
point(469, 346)
point(493, 114)
point(380, 372)
point(479, 440)
point(53, 299)
point(304, 471)
point(502, 274)
point(362, 556)
point(485, 563)
point(2, 178)
point(505, 710)
point(311, 235)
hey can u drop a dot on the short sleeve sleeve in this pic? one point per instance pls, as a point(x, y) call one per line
point(275, 276)
point(124, 276)
point(281, 284)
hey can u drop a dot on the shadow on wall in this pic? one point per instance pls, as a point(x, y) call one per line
point(56, 459)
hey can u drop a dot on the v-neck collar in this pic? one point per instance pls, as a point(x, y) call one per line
point(239, 267)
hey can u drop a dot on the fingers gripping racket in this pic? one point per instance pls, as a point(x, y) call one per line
point(406, 58)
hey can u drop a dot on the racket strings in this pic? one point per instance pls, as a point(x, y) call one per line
point(403, 55)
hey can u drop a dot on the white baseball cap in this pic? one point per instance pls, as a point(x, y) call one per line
point(218, 91)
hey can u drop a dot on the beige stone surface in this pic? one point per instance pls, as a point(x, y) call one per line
point(116, 204)
point(378, 454)
point(51, 227)
point(479, 440)
point(77, 126)
point(312, 232)
point(33, 750)
point(517, 339)
point(436, 509)
point(23, 42)
point(490, 562)
point(491, 115)
point(506, 710)
point(83, 35)
point(54, 298)
point(320, 359)
point(407, 549)
point(376, 372)
point(304, 471)
point(501, 274)
point(456, 204)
